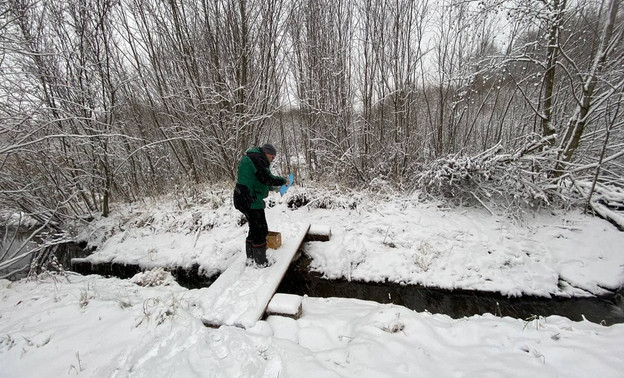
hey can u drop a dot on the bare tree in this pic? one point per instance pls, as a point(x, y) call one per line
point(103, 100)
point(392, 36)
point(592, 96)
point(321, 34)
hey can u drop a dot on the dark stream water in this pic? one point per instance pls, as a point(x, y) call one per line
point(63, 252)
point(455, 303)
point(12, 251)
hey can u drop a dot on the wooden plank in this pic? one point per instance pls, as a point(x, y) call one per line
point(318, 233)
point(288, 305)
point(241, 294)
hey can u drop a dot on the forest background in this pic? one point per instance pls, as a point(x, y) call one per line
point(511, 105)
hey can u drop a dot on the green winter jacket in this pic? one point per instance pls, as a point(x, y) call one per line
point(254, 180)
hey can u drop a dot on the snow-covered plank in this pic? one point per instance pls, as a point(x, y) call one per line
point(318, 233)
point(240, 295)
point(285, 305)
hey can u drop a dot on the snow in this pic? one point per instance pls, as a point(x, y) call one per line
point(318, 229)
point(285, 304)
point(97, 327)
point(149, 326)
point(397, 240)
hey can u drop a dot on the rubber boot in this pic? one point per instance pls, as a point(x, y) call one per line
point(259, 255)
point(248, 249)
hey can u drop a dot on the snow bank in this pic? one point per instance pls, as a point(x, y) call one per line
point(395, 239)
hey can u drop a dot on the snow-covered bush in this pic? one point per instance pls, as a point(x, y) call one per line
point(513, 181)
point(522, 179)
point(322, 199)
point(154, 277)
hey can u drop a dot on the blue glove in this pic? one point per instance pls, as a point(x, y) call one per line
point(284, 188)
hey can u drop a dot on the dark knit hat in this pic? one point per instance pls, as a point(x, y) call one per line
point(269, 149)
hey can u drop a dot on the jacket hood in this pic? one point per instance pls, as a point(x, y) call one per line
point(254, 150)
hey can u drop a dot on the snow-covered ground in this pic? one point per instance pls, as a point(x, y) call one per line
point(379, 239)
point(100, 327)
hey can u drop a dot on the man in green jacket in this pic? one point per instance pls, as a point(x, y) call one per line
point(252, 187)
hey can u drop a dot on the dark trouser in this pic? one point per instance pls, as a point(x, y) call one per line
point(258, 228)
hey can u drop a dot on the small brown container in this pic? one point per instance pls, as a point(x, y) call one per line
point(274, 240)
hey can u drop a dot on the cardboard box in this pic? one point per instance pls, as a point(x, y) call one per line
point(274, 240)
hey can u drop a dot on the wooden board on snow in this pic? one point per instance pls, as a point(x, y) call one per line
point(318, 233)
point(241, 294)
point(288, 305)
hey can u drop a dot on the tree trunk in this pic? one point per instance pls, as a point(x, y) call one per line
point(577, 122)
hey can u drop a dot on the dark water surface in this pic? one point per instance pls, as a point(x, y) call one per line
point(454, 303)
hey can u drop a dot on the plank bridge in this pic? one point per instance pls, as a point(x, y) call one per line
point(241, 294)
